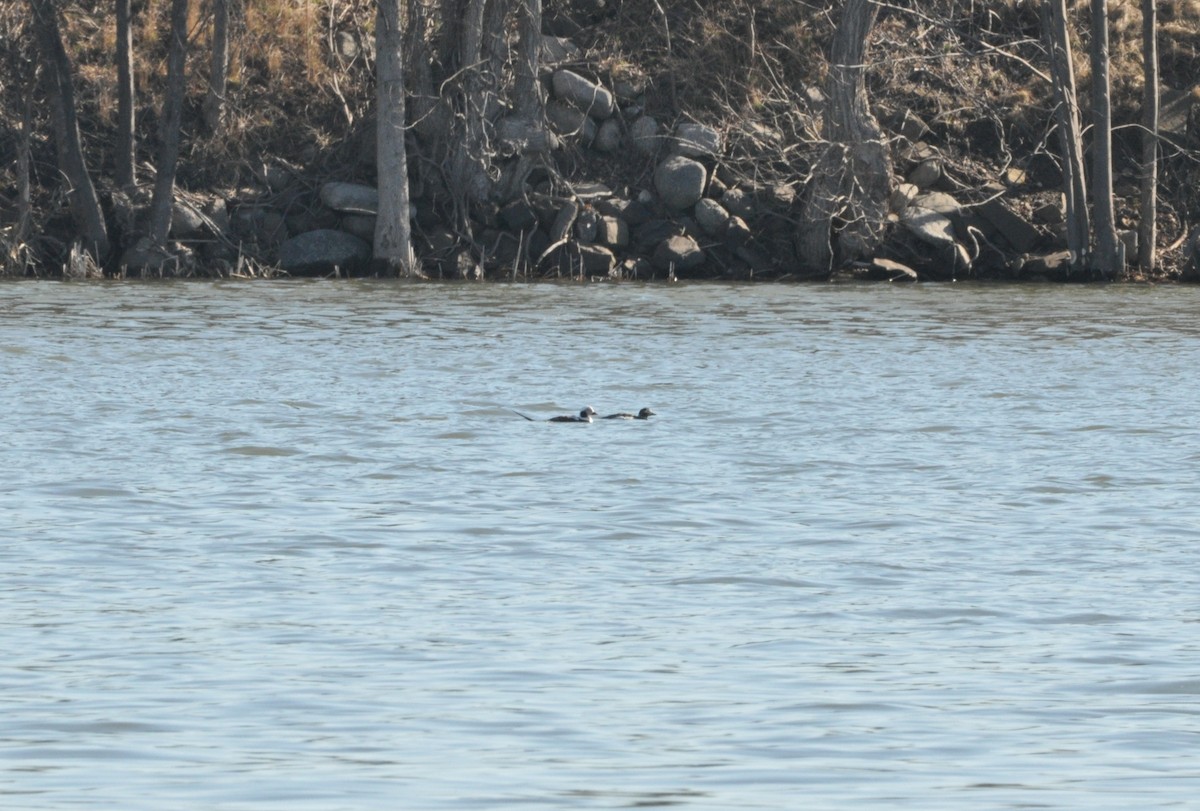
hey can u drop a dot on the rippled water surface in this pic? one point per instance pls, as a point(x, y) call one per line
point(283, 546)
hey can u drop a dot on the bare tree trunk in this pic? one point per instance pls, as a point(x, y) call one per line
point(469, 159)
point(126, 151)
point(528, 91)
point(169, 129)
point(1148, 226)
point(393, 231)
point(430, 118)
point(1109, 258)
point(525, 129)
point(852, 179)
point(85, 205)
point(24, 161)
point(218, 70)
point(1062, 68)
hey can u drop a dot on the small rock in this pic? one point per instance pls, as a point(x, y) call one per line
point(678, 253)
point(361, 225)
point(710, 216)
point(643, 134)
point(608, 136)
point(926, 173)
point(323, 251)
point(186, 221)
point(647, 235)
point(633, 212)
point(345, 45)
point(938, 201)
point(913, 127)
point(1049, 214)
point(629, 90)
point(783, 194)
point(696, 140)
point(737, 233)
point(350, 198)
point(680, 181)
point(555, 50)
point(738, 203)
point(902, 197)
point(583, 94)
point(613, 231)
point(1021, 235)
point(570, 122)
point(1015, 176)
point(935, 228)
point(597, 260)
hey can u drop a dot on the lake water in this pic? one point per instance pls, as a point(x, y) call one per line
point(281, 545)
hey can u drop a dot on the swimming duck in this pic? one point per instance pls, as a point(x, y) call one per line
point(585, 415)
point(644, 414)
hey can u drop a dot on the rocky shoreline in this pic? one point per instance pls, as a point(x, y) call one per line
point(618, 195)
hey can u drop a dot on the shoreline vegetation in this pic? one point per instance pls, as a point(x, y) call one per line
point(772, 140)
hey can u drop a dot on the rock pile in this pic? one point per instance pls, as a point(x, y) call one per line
point(685, 214)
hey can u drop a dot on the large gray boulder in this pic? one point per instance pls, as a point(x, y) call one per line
point(680, 181)
point(583, 94)
point(350, 198)
point(323, 251)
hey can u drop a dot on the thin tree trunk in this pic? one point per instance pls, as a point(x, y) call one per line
point(85, 205)
point(1108, 259)
point(1062, 68)
point(852, 179)
point(528, 90)
point(169, 129)
point(393, 231)
point(430, 117)
point(126, 151)
point(24, 161)
point(469, 163)
point(528, 119)
point(218, 70)
point(1148, 227)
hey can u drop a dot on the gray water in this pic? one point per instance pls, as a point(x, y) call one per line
point(283, 546)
